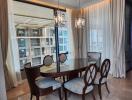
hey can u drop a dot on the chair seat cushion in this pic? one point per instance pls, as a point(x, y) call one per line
point(98, 78)
point(76, 86)
point(48, 82)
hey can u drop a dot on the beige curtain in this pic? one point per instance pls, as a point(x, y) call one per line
point(2, 77)
point(12, 61)
point(4, 39)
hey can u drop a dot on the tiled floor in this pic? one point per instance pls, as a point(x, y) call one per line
point(121, 89)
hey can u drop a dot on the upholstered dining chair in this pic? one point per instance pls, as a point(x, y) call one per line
point(48, 60)
point(40, 86)
point(101, 77)
point(95, 56)
point(63, 57)
point(83, 85)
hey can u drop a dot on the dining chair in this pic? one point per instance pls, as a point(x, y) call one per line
point(95, 56)
point(48, 60)
point(101, 77)
point(82, 85)
point(63, 57)
point(40, 86)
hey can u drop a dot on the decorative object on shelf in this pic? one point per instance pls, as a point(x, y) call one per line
point(59, 18)
point(80, 21)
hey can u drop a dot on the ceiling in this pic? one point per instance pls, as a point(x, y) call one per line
point(32, 22)
point(72, 3)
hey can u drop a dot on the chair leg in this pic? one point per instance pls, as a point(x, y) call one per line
point(99, 89)
point(93, 96)
point(31, 97)
point(107, 87)
point(65, 92)
point(37, 97)
point(64, 79)
point(80, 74)
point(60, 94)
point(83, 97)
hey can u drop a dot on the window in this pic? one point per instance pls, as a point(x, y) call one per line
point(63, 36)
point(96, 40)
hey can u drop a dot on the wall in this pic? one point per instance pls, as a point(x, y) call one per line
point(128, 32)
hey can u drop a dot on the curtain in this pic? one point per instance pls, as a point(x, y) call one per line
point(91, 37)
point(12, 61)
point(2, 77)
point(118, 22)
point(3, 13)
point(103, 32)
point(7, 26)
point(105, 22)
point(79, 35)
point(4, 39)
point(99, 29)
point(70, 35)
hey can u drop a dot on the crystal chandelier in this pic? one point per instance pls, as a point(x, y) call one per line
point(59, 18)
point(80, 21)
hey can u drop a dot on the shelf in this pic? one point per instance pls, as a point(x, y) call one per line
point(29, 37)
point(22, 48)
point(36, 56)
point(36, 43)
point(48, 46)
point(23, 58)
point(34, 47)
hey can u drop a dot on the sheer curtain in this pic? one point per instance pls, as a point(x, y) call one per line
point(99, 29)
point(12, 61)
point(71, 51)
point(95, 35)
point(103, 32)
point(118, 22)
point(105, 29)
point(4, 40)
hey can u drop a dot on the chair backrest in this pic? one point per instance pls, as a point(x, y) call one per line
point(95, 56)
point(48, 60)
point(90, 74)
point(32, 73)
point(63, 57)
point(105, 67)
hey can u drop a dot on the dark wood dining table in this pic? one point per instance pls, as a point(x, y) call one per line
point(70, 67)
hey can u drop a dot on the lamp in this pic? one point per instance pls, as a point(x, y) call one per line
point(80, 21)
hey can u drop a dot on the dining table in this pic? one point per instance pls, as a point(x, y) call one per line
point(70, 68)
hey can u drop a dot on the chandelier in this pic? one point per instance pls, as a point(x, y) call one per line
point(80, 21)
point(59, 18)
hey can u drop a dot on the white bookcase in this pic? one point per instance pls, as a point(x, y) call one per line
point(34, 44)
